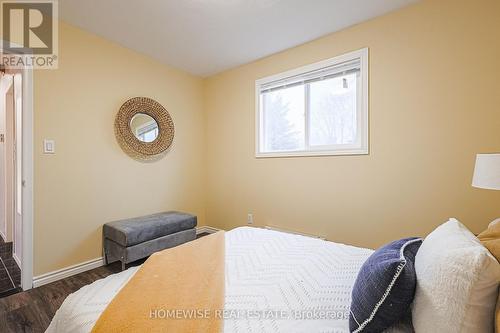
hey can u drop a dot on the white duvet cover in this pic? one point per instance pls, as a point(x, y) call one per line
point(275, 282)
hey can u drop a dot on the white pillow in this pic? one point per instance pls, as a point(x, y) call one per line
point(457, 282)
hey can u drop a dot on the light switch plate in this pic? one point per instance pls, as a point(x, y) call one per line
point(49, 146)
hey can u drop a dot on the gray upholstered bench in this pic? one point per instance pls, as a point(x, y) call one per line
point(136, 238)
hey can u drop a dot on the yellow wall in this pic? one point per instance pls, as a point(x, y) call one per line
point(90, 181)
point(434, 104)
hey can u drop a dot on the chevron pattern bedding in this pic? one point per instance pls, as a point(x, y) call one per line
point(275, 282)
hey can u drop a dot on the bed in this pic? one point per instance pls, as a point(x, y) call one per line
point(280, 277)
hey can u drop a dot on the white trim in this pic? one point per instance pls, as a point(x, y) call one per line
point(27, 172)
point(88, 265)
point(147, 126)
point(67, 272)
point(16, 259)
point(363, 117)
point(206, 229)
point(91, 264)
point(268, 227)
point(305, 153)
point(6, 161)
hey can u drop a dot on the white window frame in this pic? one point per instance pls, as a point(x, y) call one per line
point(146, 128)
point(362, 117)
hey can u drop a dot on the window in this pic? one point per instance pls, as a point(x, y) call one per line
point(147, 132)
point(319, 109)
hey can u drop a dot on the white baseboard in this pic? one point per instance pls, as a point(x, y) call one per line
point(66, 272)
point(206, 229)
point(269, 227)
point(88, 265)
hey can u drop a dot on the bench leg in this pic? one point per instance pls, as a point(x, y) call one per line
point(123, 265)
point(104, 249)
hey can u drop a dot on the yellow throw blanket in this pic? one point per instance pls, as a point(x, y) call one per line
point(176, 290)
point(491, 240)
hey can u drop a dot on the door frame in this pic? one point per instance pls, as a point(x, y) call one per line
point(4, 160)
point(27, 177)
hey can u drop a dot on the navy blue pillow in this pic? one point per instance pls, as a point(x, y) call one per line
point(385, 287)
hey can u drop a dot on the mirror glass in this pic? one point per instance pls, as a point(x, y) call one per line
point(144, 127)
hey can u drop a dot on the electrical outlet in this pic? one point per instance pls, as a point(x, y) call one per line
point(250, 218)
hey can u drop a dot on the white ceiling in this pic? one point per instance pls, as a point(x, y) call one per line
point(205, 37)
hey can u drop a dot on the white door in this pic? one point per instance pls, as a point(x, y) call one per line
point(5, 83)
point(18, 185)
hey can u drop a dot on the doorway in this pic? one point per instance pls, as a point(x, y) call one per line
point(10, 181)
point(16, 179)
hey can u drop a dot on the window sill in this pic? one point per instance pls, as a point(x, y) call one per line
point(311, 153)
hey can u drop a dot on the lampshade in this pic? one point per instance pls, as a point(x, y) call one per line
point(487, 172)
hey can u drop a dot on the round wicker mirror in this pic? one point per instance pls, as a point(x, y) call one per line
point(144, 129)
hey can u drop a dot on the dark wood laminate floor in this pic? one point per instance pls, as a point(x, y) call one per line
point(32, 310)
